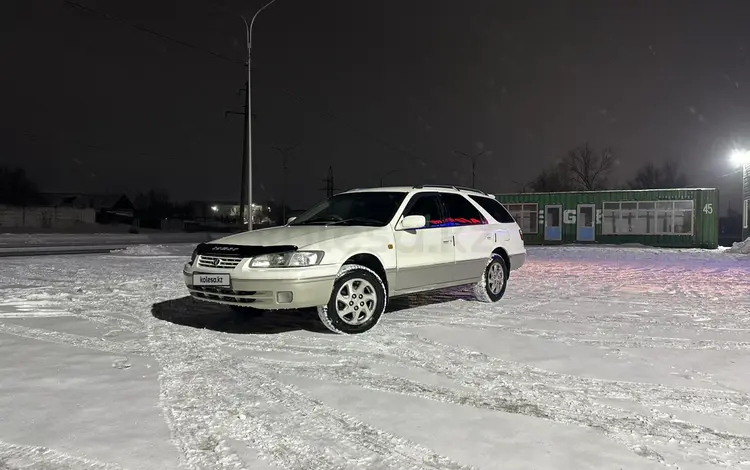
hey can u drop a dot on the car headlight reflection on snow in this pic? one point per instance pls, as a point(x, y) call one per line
point(290, 259)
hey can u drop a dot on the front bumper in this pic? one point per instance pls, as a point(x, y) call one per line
point(267, 288)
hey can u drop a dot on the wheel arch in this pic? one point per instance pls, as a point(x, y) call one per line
point(500, 251)
point(370, 261)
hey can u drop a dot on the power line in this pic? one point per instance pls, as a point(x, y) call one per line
point(80, 143)
point(151, 31)
point(328, 114)
point(717, 178)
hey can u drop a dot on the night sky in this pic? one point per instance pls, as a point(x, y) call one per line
point(91, 104)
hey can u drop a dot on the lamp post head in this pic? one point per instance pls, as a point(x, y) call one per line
point(740, 157)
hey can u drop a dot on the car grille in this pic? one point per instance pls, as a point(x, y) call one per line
point(213, 261)
point(225, 294)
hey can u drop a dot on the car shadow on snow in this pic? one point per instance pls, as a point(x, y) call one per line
point(187, 311)
point(426, 299)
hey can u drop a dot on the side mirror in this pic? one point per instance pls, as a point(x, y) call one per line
point(290, 219)
point(412, 222)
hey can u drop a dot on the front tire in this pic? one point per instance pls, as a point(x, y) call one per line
point(491, 287)
point(357, 302)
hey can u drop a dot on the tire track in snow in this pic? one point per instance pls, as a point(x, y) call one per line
point(204, 390)
point(622, 426)
point(613, 340)
point(481, 370)
point(129, 347)
point(559, 397)
point(572, 396)
point(471, 369)
point(17, 457)
point(391, 451)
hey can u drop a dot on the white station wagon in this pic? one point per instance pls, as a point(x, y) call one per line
point(347, 255)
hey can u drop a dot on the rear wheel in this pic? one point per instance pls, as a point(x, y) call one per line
point(491, 287)
point(357, 302)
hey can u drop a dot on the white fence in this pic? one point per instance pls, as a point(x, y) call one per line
point(44, 217)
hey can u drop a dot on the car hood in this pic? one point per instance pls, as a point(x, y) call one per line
point(298, 235)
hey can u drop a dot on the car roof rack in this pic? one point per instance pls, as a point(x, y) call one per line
point(450, 186)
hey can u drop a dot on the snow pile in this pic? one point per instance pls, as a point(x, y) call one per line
point(742, 247)
point(144, 250)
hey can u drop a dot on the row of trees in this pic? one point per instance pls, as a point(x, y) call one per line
point(16, 188)
point(584, 169)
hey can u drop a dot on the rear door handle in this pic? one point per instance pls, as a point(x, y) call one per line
point(450, 240)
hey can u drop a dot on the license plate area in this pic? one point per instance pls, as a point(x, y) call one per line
point(214, 280)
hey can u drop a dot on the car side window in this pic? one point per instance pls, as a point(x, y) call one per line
point(427, 205)
point(495, 209)
point(461, 211)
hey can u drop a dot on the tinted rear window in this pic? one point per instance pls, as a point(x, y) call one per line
point(496, 210)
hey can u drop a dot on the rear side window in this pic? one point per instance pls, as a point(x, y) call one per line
point(496, 210)
point(461, 211)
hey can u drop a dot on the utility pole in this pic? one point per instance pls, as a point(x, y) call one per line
point(473, 164)
point(330, 188)
point(523, 185)
point(284, 151)
point(244, 174)
point(249, 34)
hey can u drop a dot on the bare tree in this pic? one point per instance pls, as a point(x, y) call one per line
point(650, 176)
point(554, 179)
point(582, 169)
point(16, 188)
point(588, 169)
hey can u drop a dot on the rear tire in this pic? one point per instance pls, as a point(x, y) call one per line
point(494, 280)
point(357, 302)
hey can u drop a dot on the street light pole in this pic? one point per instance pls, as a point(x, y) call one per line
point(473, 164)
point(284, 151)
point(745, 200)
point(741, 158)
point(523, 185)
point(249, 34)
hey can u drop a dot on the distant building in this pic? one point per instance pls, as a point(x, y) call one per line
point(229, 212)
point(109, 208)
point(671, 218)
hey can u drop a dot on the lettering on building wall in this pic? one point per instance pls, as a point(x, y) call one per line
point(569, 216)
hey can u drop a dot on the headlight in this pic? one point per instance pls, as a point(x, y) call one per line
point(290, 259)
point(193, 256)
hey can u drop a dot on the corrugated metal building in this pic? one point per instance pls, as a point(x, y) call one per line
point(655, 217)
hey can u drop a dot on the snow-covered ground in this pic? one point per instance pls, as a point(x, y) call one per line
point(598, 358)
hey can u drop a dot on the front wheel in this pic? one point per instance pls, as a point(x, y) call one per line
point(357, 302)
point(491, 287)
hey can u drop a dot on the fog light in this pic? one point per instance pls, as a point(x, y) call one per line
point(284, 297)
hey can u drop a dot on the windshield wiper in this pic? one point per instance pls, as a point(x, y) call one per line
point(318, 221)
point(337, 221)
point(359, 221)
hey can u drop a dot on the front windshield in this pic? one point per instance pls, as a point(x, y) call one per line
point(371, 208)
